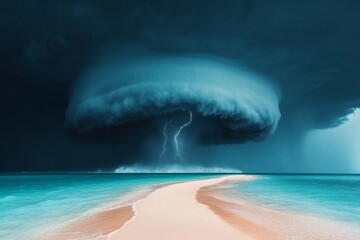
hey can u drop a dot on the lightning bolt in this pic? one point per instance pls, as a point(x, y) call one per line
point(162, 155)
point(177, 135)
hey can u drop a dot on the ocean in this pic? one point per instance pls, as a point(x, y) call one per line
point(30, 203)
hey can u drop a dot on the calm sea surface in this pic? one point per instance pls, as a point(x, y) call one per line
point(335, 197)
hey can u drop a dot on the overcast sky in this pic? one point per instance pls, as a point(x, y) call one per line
point(308, 52)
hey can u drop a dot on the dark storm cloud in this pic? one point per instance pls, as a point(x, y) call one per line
point(234, 104)
point(309, 49)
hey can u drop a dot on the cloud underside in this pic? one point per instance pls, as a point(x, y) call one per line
point(230, 106)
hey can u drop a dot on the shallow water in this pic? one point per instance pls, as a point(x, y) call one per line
point(30, 203)
point(334, 197)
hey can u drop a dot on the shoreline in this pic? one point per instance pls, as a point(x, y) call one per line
point(173, 212)
point(195, 210)
point(99, 222)
point(265, 223)
point(208, 197)
point(96, 226)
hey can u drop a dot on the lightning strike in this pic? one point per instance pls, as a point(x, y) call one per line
point(162, 155)
point(178, 155)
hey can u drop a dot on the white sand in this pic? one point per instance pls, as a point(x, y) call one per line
point(173, 213)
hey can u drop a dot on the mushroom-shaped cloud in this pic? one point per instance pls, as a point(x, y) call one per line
point(229, 104)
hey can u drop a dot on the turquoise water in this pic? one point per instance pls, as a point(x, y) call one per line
point(30, 202)
point(335, 197)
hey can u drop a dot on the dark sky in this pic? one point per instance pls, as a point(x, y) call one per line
point(309, 49)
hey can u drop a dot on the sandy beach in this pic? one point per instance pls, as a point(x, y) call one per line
point(170, 211)
point(197, 210)
point(173, 212)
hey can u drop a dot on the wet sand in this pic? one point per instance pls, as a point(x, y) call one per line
point(264, 223)
point(95, 227)
point(221, 208)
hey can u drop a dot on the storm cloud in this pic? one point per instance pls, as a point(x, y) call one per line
point(59, 66)
point(232, 104)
